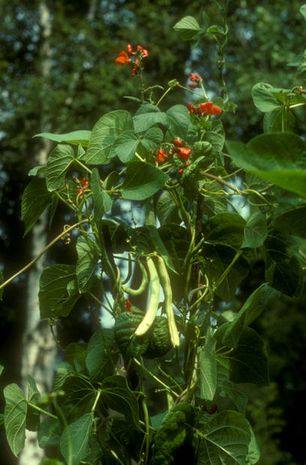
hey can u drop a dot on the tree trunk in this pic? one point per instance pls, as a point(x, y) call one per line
point(39, 346)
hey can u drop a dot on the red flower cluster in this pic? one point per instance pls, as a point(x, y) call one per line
point(205, 108)
point(196, 79)
point(84, 184)
point(161, 156)
point(132, 56)
point(128, 305)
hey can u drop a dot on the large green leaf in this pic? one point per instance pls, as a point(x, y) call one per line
point(74, 440)
point(303, 10)
point(264, 97)
point(142, 181)
point(15, 414)
point(292, 222)
point(151, 139)
point(208, 368)
point(86, 266)
point(147, 116)
point(35, 199)
point(187, 28)
point(125, 146)
point(49, 432)
point(74, 137)
point(224, 440)
point(54, 297)
point(248, 361)
point(58, 163)
point(225, 228)
point(278, 158)
point(118, 396)
point(178, 121)
point(104, 134)
point(99, 352)
point(260, 300)
point(224, 269)
point(255, 231)
point(102, 202)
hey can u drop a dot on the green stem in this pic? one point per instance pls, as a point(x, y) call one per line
point(84, 167)
point(45, 412)
point(228, 269)
point(147, 432)
point(164, 95)
point(96, 400)
point(42, 252)
point(167, 388)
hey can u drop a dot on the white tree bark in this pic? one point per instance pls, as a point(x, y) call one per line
point(39, 346)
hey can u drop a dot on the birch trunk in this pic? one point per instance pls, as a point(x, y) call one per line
point(39, 346)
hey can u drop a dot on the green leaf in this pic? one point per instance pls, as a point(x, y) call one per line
point(225, 228)
point(187, 28)
point(118, 396)
point(104, 134)
point(15, 414)
point(74, 137)
point(264, 97)
point(248, 361)
point(80, 394)
point(273, 120)
point(255, 231)
point(292, 222)
point(224, 439)
point(54, 299)
point(208, 368)
point(74, 440)
point(147, 116)
point(99, 352)
point(303, 10)
point(86, 266)
point(49, 432)
point(142, 181)
point(166, 209)
point(75, 354)
point(278, 158)
point(101, 200)
point(178, 121)
point(260, 300)
point(1, 369)
point(125, 146)
point(151, 139)
point(35, 199)
point(224, 269)
point(253, 452)
point(59, 161)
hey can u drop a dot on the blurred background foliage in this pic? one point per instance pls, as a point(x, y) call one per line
point(65, 78)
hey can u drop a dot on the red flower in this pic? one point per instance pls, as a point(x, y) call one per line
point(195, 77)
point(129, 49)
point(177, 141)
point(161, 156)
point(208, 108)
point(191, 108)
point(122, 58)
point(183, 152)
point(84, 183)
point(180, 171)
point(143, 51)
point(128, 305)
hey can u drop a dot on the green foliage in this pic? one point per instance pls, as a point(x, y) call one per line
point(196, 348)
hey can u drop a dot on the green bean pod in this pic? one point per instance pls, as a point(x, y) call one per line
point(153, 301)
point(166, 285)
point(143, 284)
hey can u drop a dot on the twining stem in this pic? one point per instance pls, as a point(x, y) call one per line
point(159, 381)
point(147, 432)
point(42, 252)
point(228, 269)
point(220, 181)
